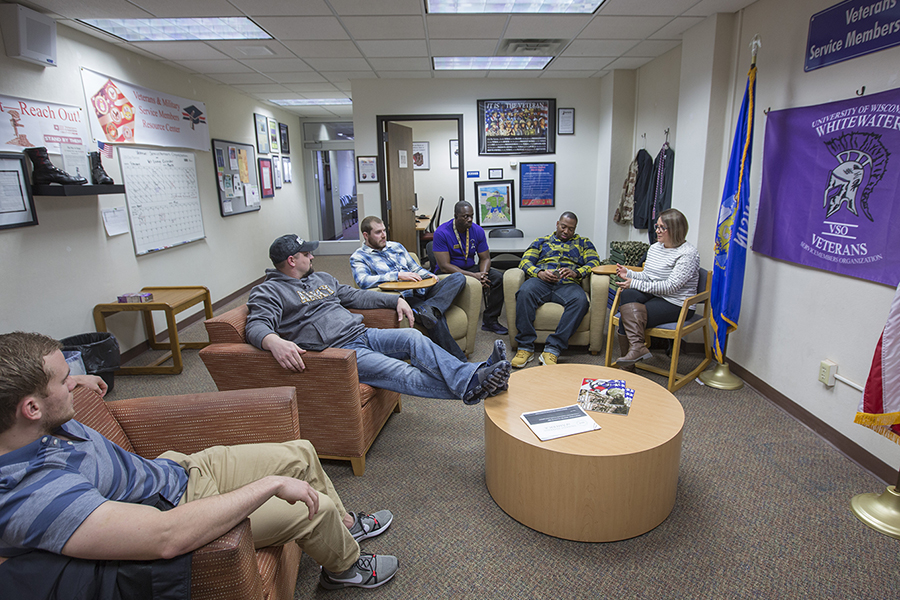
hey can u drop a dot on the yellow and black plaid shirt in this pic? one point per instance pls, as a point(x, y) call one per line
point(550, 253)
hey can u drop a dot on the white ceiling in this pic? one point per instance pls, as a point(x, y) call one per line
point(321, 45)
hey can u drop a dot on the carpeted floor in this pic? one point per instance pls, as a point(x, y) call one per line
point(762, 509)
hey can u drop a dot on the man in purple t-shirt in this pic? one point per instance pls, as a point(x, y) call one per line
point(461, 246)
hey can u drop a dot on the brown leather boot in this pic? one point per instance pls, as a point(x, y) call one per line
point(634, 320)
point(623, 350)
point(45, 172)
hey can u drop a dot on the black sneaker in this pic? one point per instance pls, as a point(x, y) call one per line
point(494, 327)
point(367, 526)
point(370, 571)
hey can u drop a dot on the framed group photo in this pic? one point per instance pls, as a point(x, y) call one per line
point(515, 127)
point(495, 203)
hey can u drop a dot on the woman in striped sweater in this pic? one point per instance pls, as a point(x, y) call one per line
point(655, 295)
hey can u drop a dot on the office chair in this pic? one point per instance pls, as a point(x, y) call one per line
point(505, 261)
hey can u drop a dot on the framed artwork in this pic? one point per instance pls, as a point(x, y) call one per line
point(421, 156)
point(266, 178)
point(261, 124)
point(276, 172)
point(566, 121)
point(495, 173)
point(16, 201)
point(286, 167)
point(273, 136)
point(537, 184)
point(367, 169)
point(513, 127)
point(495, 203)
point(285, 139)
point(454, 154)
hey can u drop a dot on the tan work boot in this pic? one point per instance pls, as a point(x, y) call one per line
point(634, 320)
point(521, 358)
point(548, 359)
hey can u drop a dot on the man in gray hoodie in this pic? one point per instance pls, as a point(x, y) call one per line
point(297, 309)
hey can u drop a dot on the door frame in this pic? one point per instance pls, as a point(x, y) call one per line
point(381, 123)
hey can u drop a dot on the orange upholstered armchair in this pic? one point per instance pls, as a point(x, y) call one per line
point(227, 568)
point(338, 414)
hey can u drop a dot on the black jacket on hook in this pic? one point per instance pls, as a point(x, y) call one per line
point(642, 188)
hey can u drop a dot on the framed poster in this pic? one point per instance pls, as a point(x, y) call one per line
point(366, 169)
point(454, 154)
point(421, 156)
point(16, 202)
point(285, 139)
point(566, 121)
point(261, 124)
point(273, 136)
point(495, 203)
point(495, 173)
point(512, 127)
point(537, 184)
point(266, 178)
point(286, 167)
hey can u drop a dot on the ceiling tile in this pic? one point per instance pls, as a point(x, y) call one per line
point(627, 63)
point(91, 9)
point(652, 48)
point(516, 74)
point(460, 74)
point(598, 47)
point(579, 64)
point(463, 47)
point(543, 26)
point(243, 49)
point(465, 26)
point(385, 28)
point(234, 78)
point(193, 8)
point(277, 65)
point(215, 66)
point(324, 49)
point(311, 87)
point(552, 74)
point(259, 88)
point(704, 8)
point(180, 50)
point(382, 7)
point(338, 64)
point(270, 95)
point(645, 7)
point(419, 63)
point(325, 95)
point(676, 27)
point(404, 74)
point(623, 28)
point(283, 7)
point(287, 78)
point(337, 77)
point(384, 48)
point(303, 28)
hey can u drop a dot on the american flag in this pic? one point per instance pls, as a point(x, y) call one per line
point(879, 408)
point(105, 149)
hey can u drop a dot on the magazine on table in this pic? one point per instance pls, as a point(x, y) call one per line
point(555, 423)
point(609, 396)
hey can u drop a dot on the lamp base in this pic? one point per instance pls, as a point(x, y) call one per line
point(881, 513)
point(721, 378)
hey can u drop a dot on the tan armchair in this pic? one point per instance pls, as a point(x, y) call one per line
point(338, 414)
point(227, 568)
point(589, 333)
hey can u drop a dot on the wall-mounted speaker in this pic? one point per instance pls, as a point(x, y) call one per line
point(28, 35)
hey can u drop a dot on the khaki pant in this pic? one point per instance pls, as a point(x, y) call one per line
point(221, 469)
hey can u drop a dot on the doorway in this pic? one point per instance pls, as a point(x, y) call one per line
point(330, 166)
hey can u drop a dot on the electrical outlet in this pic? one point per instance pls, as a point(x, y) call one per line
point(827, 370)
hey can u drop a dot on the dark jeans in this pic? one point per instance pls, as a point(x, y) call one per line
point(440, 296)
point(532, 295)
point(493, 296)
point(659, 311)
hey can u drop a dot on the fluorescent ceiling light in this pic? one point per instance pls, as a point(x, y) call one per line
point(494, 63)
point(168, 30)
point(512, 6)
point(312, 102)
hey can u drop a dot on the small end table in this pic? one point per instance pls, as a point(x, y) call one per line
point(171, 300)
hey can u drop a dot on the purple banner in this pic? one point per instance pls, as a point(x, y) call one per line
point(829, 195)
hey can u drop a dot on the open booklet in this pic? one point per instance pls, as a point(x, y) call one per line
point(605, 395)
point(555, 423)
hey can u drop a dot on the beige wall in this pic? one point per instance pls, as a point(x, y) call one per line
point(53, 274)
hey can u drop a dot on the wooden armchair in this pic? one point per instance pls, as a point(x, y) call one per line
point(338, 414)
point(227, 568)
point(589, 333)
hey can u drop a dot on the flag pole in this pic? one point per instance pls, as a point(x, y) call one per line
point(880, 512)
point(720, 376)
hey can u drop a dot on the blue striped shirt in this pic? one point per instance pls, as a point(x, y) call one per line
point(372, 267)
point(50, 486)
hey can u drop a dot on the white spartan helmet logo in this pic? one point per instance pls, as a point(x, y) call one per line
point(862, 160)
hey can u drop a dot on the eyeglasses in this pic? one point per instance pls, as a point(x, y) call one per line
point(659, 227)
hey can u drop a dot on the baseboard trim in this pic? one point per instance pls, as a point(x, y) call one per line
point(839, 441)
point(164, 335)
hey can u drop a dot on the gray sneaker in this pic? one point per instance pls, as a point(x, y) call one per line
point(370, 571)
point(367, 526)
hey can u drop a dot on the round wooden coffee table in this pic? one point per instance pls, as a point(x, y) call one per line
point(600, 486)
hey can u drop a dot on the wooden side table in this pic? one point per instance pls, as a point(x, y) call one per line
point(171, 300)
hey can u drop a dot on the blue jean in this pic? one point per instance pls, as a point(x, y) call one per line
point(431, 373)
point(440, 296)
point(532, 295)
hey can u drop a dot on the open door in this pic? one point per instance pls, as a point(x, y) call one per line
point(401, 186)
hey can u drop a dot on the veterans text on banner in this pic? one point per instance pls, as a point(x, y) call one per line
point(829, 187)
point(122, 113)
point(732, 227)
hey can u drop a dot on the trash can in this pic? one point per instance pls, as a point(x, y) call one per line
point(99, 353)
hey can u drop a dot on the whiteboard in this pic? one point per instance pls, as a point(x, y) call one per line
point(163, 198)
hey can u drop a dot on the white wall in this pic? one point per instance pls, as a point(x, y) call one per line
point(440, 179)
point(53, 274)
point(576, 155)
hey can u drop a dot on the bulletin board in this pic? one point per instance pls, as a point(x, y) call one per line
point(236, 178)
point(163, 198)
